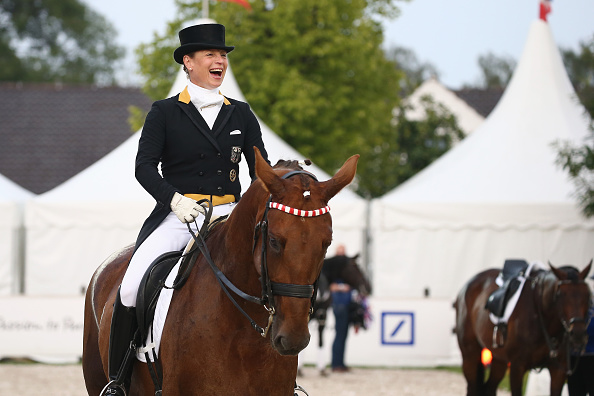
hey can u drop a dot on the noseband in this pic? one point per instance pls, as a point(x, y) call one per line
point(269, 288)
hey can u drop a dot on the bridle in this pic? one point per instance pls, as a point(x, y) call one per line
point(553, 343)
point(269, 288)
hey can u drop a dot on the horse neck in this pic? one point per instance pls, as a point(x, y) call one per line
point(545, 296)
point(234, 250)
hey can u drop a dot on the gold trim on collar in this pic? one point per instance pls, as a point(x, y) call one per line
point(225, 99)
point(184, 97)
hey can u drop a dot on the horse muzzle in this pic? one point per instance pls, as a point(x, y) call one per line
point(576, 328)
point(289, 335)
point(289, 346)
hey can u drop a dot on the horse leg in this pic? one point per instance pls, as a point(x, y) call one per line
point(321, 363)
point(516, 378)
point(473, 370)
point(496, 374)
point(94, 375)
point(558, 378)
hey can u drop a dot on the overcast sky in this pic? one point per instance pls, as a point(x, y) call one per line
point(448, 34)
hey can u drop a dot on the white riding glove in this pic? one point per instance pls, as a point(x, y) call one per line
point(186, 209)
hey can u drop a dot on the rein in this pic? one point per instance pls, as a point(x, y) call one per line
point(269, 288)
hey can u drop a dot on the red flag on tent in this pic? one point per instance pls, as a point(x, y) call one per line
point(242, 3)
point(545, 8)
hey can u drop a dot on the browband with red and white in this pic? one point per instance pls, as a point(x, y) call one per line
point(299, 212)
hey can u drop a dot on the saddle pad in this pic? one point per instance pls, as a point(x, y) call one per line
point(156, 330)
point(513, 300)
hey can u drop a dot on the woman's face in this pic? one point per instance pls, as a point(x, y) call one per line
point(207, 68)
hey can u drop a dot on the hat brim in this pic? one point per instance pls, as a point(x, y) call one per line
point(185, 49)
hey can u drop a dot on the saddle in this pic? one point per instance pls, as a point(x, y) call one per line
point(153, 280)
point(512, 270)
point(509, 280)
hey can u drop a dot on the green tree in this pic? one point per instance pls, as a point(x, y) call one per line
point(578, 161)
point(580, 68)
point(496, 71)
point(409, 146)
point(415, 71)
point(56, 41)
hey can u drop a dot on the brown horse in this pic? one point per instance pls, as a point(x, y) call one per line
point(208, 347)
point(547, 324)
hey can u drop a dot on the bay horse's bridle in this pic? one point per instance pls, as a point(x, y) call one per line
point(553, 343)
point(269, 288)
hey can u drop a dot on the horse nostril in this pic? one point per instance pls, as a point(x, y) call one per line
point(285, 346)
point(280, 342)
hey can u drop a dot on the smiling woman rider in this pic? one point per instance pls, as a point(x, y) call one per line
point(197, 137)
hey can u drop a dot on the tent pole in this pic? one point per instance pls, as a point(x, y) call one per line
point(204, 8)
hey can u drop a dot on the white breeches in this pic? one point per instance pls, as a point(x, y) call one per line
point(169, 236)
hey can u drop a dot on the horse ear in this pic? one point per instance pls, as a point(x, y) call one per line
point(586, 271)
point(558, 273)
point(356, 256)
point(341, 179)
point(266, 174)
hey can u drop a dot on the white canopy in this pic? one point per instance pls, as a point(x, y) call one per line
point(497, 195)
point(74, 227)
point(12, 197)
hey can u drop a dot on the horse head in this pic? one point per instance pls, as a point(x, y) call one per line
point(571, 298)
point(354, 276)
point(293, 208)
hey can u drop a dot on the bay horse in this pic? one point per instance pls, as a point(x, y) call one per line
point(547, 325)
point(272, 244)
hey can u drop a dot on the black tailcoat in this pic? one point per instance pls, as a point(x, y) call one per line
point(194, 159)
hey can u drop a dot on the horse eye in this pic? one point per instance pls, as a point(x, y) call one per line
point(274, 244)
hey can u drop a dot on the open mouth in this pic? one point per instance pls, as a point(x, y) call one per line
point(216, 72)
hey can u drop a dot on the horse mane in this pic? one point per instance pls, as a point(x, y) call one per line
point(290, 164)
point(573, 274)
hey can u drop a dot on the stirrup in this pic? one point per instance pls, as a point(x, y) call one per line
point(299, 388)
point(111, 388)
point(499, 335)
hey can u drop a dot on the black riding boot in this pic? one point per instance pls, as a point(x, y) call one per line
point(121, 349)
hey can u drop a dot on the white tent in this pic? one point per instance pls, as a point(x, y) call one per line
point(12, 197)
point(74, 227)
point(497, 195)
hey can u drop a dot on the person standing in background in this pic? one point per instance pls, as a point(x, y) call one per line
point(341, 300)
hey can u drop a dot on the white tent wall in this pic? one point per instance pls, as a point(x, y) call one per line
point(9, 225)
point(74, 227)
point(12, 197)
point(71, 229)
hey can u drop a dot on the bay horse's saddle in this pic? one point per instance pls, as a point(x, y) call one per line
point(512, 270)
point(153, 280)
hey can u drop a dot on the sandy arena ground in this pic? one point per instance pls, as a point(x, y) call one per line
point(67, 380)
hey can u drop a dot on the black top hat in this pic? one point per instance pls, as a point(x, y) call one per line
point(200, 37)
